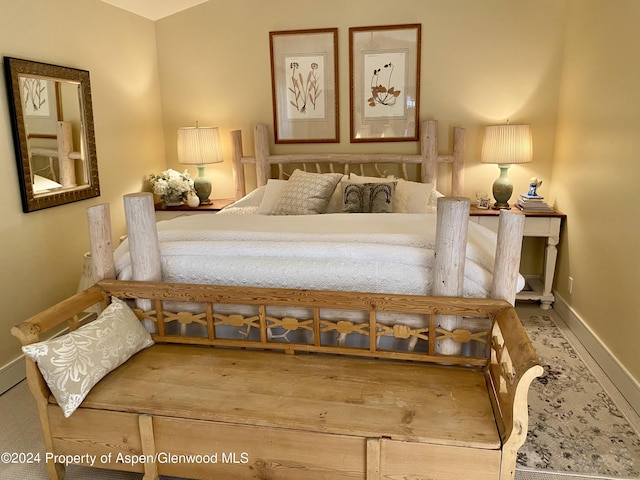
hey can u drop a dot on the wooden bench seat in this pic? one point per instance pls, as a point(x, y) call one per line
point(318, 393)
point(185, 409)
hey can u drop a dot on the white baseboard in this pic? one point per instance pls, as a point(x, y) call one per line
point(626, 384)
point(11, 374)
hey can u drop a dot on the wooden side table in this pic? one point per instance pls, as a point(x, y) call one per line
point(166, 213)
point(537, 224)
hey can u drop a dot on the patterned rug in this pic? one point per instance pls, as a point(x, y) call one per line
point(574, 426)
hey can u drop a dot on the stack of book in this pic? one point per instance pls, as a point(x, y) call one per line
point(533, 203)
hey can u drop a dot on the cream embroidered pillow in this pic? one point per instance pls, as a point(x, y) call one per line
point(73, 363)
point(306, 193)
point(412, 197)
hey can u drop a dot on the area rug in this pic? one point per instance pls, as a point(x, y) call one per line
point(574, 426)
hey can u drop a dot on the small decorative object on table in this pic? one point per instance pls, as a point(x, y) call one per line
point(171, 186)
point(532, 202)
point(483, 200)
point(193, 200)
point(534, 183)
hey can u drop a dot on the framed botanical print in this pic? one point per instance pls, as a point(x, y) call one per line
point(384, 64)
point(304, 70)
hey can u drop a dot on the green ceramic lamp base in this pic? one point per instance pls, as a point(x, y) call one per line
point(502, 188)
point(203, 186)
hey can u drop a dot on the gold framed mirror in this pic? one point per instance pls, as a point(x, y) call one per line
point(53, 132)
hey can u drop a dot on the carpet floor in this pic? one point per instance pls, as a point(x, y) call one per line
point(580, 426)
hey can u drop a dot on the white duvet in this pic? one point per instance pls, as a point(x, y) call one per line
point(383, 253)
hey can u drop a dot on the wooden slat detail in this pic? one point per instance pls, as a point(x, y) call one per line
point(148, 446)
point(274, 331)
point(373, 459)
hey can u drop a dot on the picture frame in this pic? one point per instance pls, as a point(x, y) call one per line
point(483, 203)
point(384, 81)
point(484, 200)
point(304, 72)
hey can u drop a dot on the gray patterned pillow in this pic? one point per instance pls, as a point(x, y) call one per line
point(368, 197)
point(73, 363)
point(306, 193)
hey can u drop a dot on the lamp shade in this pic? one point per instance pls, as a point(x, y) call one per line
point(199, 145)
point(507, 144)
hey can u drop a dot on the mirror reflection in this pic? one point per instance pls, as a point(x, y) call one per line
point(53, 132)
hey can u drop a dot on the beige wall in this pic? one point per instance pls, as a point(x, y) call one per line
point(483, 62)
point(41, 252)
point(596, 172)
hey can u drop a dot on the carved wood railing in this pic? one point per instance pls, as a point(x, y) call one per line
point(321, 317)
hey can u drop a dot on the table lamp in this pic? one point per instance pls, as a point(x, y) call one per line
point(200, 146)
point(505, 145)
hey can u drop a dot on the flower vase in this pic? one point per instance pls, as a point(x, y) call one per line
point(173, 201)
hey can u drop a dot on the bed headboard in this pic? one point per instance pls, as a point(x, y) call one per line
point(428, 159)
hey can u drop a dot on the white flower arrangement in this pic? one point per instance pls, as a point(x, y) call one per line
point(171, 184)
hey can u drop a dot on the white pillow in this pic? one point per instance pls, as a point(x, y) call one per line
point(306, 193)
point(412, 197)
point(73, 363)
point(272, 192)
point(433, 200)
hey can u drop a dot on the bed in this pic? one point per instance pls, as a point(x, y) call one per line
point(293, 232)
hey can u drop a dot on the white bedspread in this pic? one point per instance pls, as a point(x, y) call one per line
point(385, 253)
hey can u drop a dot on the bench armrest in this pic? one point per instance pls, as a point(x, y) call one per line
point(53, 317)
point(513, 366)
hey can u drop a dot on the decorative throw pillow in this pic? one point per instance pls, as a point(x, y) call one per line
point(335, 201)
point(306, 193)
point(73, 363)
point(272, 192)
point(368, 197)
point(412, 197)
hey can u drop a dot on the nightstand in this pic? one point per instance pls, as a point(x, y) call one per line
point(539, 224)
point(167, 213)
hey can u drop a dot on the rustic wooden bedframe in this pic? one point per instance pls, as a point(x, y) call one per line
point(245, 410)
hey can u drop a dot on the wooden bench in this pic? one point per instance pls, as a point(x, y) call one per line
point(209, 406)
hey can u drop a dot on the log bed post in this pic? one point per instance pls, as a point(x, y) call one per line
point(457, 167)
point(431, 158)
point(238, 169)
point(261, 139)
point(429, 152)
point(450, 254)
point(143, 240)
point(507, 259)
point(101, 248)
